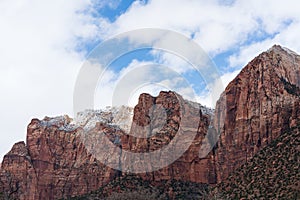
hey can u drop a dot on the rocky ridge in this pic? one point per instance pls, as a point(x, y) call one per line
point(59, 159)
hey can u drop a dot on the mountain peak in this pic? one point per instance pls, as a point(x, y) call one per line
point(280, 49)
point(260, 104)
point(275, 47)
point(18, 149)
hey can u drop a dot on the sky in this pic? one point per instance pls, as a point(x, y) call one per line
point(44, 44)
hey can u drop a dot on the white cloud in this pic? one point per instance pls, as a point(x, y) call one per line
point(177, 63)
point(287, 37)
point(39, 63)
point(208, 20)
point(117, 87)
point(209, 98)
point(124, 87)
point(113, 4)
point(247, 26)
point(215, 25)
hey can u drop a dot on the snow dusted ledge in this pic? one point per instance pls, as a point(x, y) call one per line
point(115, 116)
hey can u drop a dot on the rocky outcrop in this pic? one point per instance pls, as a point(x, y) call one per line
point(162, 118)
point(54, 164)
point(60, 158)
point(259, 105)
point(17, 167)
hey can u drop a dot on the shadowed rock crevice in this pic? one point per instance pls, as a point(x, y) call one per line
point(290, 88)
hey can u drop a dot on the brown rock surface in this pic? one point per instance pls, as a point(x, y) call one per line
point(260, 104)
point(17, 167)
point(159, 119)
point(171, 115)
point(54, 164)
point(59, 161)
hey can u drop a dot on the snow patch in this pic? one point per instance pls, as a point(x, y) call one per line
point(290, 51)
point(119, 117)
point(205, 110)
point(115, 116)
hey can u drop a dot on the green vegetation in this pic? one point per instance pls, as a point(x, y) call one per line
point(273, 173)
point(133, 187)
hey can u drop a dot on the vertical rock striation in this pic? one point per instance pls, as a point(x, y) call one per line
point(162, 118)
point(54, 164)
point(261, 103)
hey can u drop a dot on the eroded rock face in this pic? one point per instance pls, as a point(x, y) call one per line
point(61, 158)
point(54, 164)
point(18, 176)
point(261, 103)
point(162, 118)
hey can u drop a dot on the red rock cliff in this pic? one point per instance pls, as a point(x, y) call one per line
point(180, 116)
point(257, 106)
point(56, 163)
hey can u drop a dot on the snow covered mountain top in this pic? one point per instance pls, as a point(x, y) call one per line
point(115, 116)
point(119, 117)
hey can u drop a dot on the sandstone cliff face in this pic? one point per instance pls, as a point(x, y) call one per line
point(178, 116)
point(54, 164)
point(61, 156)
point(260, 104)
point(17, 167)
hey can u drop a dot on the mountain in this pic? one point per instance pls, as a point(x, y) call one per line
point(259, 105)
point(64, 158)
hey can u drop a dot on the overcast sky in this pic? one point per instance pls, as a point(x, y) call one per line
point(45, 43)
